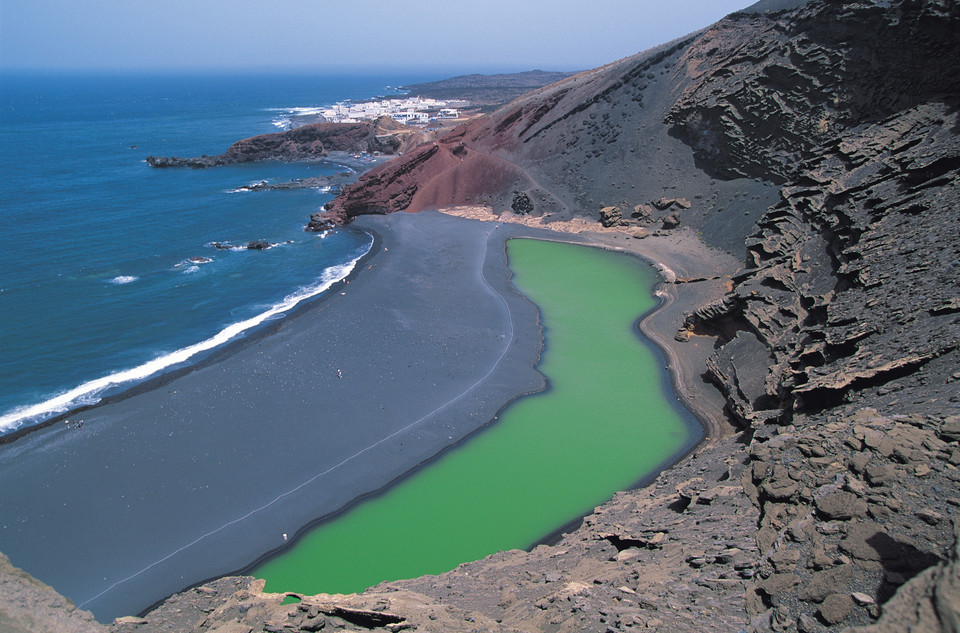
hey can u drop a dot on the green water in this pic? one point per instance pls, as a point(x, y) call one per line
point(604, 424)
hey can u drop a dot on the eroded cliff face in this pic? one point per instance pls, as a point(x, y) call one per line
point(837, 347)
point(839, 342)
point(852, 279)
point(765, 91)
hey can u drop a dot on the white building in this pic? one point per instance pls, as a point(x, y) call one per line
point(410, 116)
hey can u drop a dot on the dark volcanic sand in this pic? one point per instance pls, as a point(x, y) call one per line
point(201, 475)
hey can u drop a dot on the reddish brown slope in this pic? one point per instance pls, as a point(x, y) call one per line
point(571, 148)
point(436, 174)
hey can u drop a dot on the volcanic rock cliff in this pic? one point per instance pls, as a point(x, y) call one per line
point(837, 347)
point(820, 142)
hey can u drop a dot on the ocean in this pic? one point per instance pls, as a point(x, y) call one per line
point(110, 276)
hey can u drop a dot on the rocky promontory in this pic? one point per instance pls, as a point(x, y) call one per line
point(309, 142)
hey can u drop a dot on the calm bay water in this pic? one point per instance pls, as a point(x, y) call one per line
point(607, 421)
point(97, 286)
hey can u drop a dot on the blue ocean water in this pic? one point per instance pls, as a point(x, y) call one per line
point(97, 286)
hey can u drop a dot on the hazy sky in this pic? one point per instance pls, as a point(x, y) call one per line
point(322, 35)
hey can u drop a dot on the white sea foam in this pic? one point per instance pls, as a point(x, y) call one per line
point(300, 111)
point(124, 279)
point(89, 392)
point(247, 188)
point(284, 122)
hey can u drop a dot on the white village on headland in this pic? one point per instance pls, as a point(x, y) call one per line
point(410, 110)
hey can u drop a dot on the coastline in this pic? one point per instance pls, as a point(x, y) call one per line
point(628, 559)
point(219, 441)
point(128, 387)
point(118, 379)
point(156, 403)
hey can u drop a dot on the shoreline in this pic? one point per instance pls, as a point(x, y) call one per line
point(132, 387)
point(145, 398)
point(206, 443)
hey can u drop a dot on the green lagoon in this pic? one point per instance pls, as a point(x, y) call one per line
point(606, 422)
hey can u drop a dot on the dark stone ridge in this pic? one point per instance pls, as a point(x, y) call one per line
point(309, 142)
point(487, 89)
point(804, 80)
point(318, 223)
point(821, 141)
point(847, 277)
point(316, 182)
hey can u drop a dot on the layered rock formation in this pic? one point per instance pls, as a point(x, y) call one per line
point(309, 142)
point(840, 351)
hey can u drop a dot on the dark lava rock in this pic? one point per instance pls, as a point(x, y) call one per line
point(309, 142)
point(319, 223)
point(672, 221)
point(522, 203)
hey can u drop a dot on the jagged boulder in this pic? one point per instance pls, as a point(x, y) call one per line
point(522, 204)
point(672, 221)
point(611, 216)
point(319, 223)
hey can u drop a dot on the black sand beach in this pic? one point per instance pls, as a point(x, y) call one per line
point(201, 475)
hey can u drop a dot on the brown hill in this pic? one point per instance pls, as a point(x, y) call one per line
point(591, 141)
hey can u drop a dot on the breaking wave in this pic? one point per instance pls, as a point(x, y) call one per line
point(90, 392)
